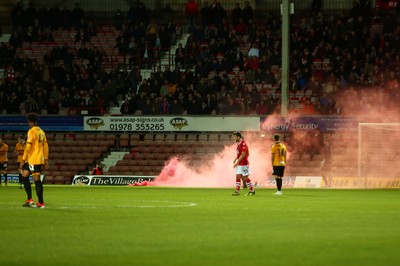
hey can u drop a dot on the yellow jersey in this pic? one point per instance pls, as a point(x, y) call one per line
point(279, 152)
point(19, 149)
point(36, 149)
point(3, 153)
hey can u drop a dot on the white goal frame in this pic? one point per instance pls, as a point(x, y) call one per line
point(360, 127)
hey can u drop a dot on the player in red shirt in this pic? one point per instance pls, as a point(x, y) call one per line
point(241, 163)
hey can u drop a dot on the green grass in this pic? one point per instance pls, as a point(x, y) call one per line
point(176, 226)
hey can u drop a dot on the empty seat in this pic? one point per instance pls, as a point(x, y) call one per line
point(166, 149)
point(49, 179)
point(81, 143)
point(141, 162)
point(214, 143)
point(159, 137)
point(57, 143)
point(202, 137)
point(170, 137)
point(200, 150)
point(180, 138)
point(148, 138)
point(74, 168)
point(133, 169)
point(75, 149)
point(113, 169)
point(97, 149)
point(69, 155)
point(123, 163)
point(134, 139)
point(161, 156)
point(124, 140)
point(148, 156)
point(100, 137)
point(157, 162)
point(49, 136)
point(59, 180)
point(85, 149)
point(191, 137)
point(146, 149)
point(91, 137)
point(92, 143)
point(110, 139)
point(226, 139)
point(213, 137)
point(179, 149)
point(147, 168)
point(128, 156)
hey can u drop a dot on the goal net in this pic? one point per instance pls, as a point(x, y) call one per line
point(378, 153)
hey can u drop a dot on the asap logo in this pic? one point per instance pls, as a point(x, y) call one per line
point(95, 123)
point(179, 122)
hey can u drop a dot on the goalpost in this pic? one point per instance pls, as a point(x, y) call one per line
point(378, 152)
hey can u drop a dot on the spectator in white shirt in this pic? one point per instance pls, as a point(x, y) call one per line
point(254, 51)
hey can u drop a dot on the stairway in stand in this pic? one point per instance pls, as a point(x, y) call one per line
point(115, 110)
point(112, 159)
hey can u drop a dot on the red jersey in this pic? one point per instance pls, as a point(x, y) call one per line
point(242, 147)
point(97, 171)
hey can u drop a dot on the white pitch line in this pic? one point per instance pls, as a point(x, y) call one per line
point(174, 204)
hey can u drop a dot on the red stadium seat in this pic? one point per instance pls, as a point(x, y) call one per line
point(81, 143)
point(49, 179)
point(100, 137)
point(134, 139)
point(124, 140)
point(140, 162)
point(59, 180)
point(202, 138)
point(148, 156)
point(92, 143)
point(128, 156)
point(91, 137)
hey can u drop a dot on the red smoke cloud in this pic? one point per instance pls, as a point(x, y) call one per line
point(364, 104)
point(219, 171)
point(373, 103)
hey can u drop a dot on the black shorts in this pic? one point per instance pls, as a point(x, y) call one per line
point(278, 171)
point(3, 166)
point(32, 168)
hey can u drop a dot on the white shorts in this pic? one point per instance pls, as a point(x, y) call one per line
point(243, 170)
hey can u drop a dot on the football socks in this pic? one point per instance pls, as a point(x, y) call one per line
point(39, 190)
point(279, 183)
point(250, 185)
point(27, 186)
point(238, 183)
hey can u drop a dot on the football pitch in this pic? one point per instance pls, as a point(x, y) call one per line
point(183, 226)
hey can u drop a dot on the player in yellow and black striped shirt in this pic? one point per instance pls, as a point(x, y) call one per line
point(278, 160)
point(19, 150)
point(35, 159)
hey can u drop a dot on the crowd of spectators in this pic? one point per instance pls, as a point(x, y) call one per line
point(351, 55)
